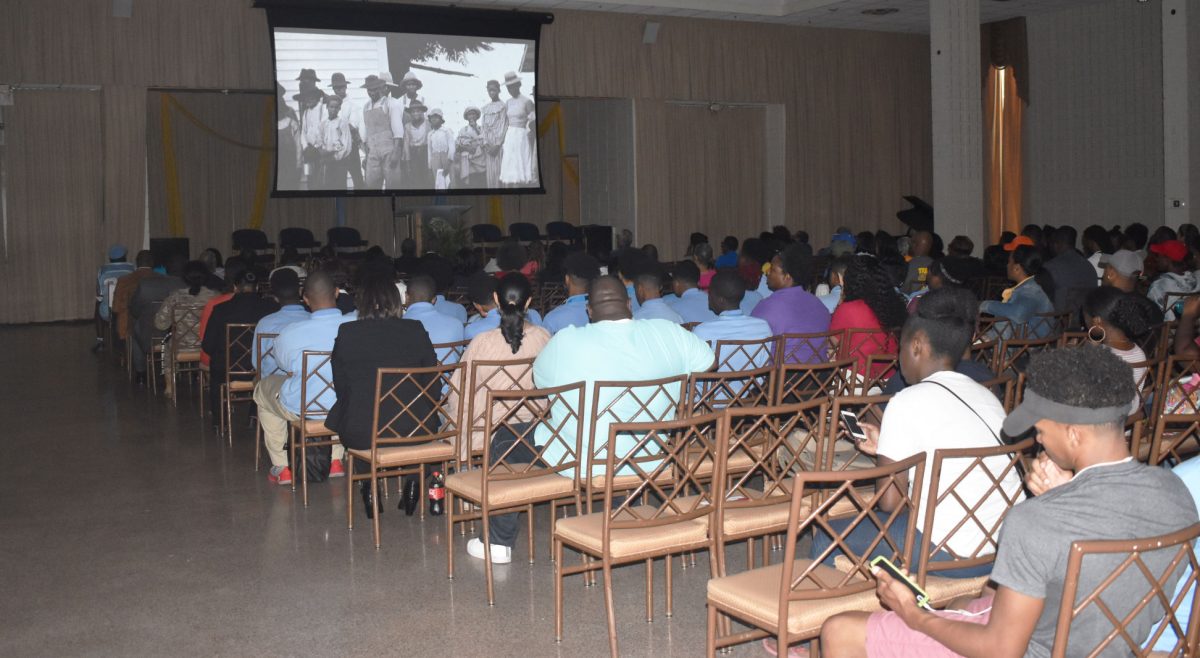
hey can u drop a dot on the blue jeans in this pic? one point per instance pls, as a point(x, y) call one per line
point(861, 537)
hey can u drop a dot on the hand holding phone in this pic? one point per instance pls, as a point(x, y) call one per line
point(885, 565)
point(852, 426)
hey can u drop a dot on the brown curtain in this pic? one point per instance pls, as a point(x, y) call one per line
point(1005, 93)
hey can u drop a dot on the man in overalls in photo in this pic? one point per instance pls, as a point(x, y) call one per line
point(383, 128)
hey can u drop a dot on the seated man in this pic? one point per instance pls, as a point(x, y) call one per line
point(791, 309)
point(689, 301)
point(967, 416)
point(725, 298)
point(442, 273)
point(285, 286)
point(483, 297)
point(114, 269)
point(244, 307)
point(126, 286)
point(441, 327)
point(147, 299)
point(1076, 399)
point(579, 271)
point(647, 287)
point(611, 348)
point(278, 396)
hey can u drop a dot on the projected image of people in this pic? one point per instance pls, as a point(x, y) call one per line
point(461, 116)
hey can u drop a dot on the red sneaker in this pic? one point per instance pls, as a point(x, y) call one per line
point(336, 470)
point(283, 477)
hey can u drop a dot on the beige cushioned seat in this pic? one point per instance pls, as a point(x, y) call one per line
point(469, 484)
point(585, 531)
point(184, 356)
point(241, 385)
point(754, 596)
point(421, 453)
point(316, 427)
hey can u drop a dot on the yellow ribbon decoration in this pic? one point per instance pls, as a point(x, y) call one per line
point(496, 211)
point(262, 181)
point(555, 118)
point(208, 129)
point(171, 171)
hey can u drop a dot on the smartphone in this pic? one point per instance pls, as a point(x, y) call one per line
point(886, 564)
point(852, 426)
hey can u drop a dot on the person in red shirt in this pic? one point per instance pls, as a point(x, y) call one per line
point(869, 301)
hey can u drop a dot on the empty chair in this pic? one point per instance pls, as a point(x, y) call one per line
point(486, 234)
point(300, 239)
point(524, 231)
point(254, 241)
point(562, 232)
point(345, 240)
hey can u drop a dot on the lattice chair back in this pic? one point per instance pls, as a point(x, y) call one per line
point(239, 351)
point(1151, 564)
point(1072, 338)
point(873, 373)
point(449, 354)
point(317, 394)
point(745, 354)
point(502, 375)
point(713, 391)
point(840, 448)
point(809, 348)
point(185, 328)
point(985, 352)
point(550, 295)
point(412, 407)
point(547, 421)
point(1179, 387)
point(1048, 325)
point(648, 401)
point(992, 328)
point(1176, 438)
point(803, 382)
point(1014, 355)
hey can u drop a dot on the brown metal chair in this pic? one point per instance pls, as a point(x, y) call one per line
point(873, 373)
point(990, 327)
point(184, 345)
point(798, 382)
point(550, 295)
point(1048, 325)
point(985, 352)
point(1178, 394)
point(745, 354)
point(666, 511)
point(509, 482)
point(713, 391)
point(858, 344)
point(1013, 356)
point(264, 346)
point(841, 450)
point(412, 427)
point(316, 400)
point(503, 375)
point(238, 386)
point(949, 469)
point(1156, 344)
point(1125, 560)
point(1175, 438)
point(690, 326)
point(450, 353)
point(1072, 338)
point(1005, 389)
point(791, 600)
point(808, 348)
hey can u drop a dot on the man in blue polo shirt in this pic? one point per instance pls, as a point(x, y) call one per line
point(278, 396)
point(440, 326)
point(648, 290)
point(580, 269)
point(442, 273)
point(724, 298)
point(690, 302)
point(285, 285)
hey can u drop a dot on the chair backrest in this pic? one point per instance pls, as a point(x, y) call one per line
point(1014, 354)
point(840, 450)
point(1072, 338)
point(1176, 438)
point(317, 394)
point(562, 231)
point(550, 295)
point(990, 327)
point(450, 353)
point(523, 231)
point(800, 382)
point(1148, 563)
point(1156, 343)
point(264, 348)
point(985, 352)
point(847, 496)
point(714, 391)
point(662, 468)
point(653, 400)
point(746, 354)
point(486, 233)
point(809, 348)
point(296, 237)
point(950, 468)
point(239, 350)
point(249, 238)
point(860, 343)
point(344, 236)
point(558, 445)
point(185, 327)
point(505, 375)
point(872, 374)
point(411, 405)
point(1047, 325)
point(1178, 388)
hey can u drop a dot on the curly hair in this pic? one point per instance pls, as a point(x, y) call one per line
point(1133, 315)
point(868, 280)
point(1088, 376)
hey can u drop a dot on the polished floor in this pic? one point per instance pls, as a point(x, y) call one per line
point(128, 529)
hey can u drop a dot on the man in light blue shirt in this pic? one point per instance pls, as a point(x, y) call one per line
point(441, 327)
point(483, 296)
point(648, 289)
point(115, 268)
point(580, 269)
point(442, 273)
point(278, 396)
point(691, 302)
point(749, 301)
point(285, 285)
point(724, 295)
point(612, 347)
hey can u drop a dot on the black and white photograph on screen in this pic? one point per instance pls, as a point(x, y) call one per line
point(367, 112)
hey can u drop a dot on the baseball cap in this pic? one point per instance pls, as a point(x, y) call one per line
point(1127, 262)
point(116, 251)
point(1019, 241)
point(1173, 249)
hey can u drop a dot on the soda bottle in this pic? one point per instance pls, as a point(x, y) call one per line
point(437, 494)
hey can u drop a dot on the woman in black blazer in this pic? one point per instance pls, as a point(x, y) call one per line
point(379, 338)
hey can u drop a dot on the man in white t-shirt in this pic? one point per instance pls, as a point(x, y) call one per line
point(943, 410)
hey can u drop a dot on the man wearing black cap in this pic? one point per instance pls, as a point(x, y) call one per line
point(353, 114)
point(285, 287)
point(1088, 487)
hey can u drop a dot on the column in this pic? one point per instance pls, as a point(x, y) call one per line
point(957, 100)
point(1176, 204)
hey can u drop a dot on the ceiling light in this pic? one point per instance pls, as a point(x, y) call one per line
point(880, 11)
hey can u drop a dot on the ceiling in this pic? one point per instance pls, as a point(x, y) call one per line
point(911, 15)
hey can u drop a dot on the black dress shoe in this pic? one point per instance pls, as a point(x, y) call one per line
point(367, 498)
point(411, 496)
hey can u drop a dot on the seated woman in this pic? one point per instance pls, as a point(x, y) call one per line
point(869, 301)
point(1020, 303)
point(379, 338)
point(1117, 320)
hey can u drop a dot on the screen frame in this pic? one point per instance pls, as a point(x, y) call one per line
point(405, 19)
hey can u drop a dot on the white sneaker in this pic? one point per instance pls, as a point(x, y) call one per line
point(500, 554)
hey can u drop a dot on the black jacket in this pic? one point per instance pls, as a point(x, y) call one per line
point(361, 348)
point(242, 308)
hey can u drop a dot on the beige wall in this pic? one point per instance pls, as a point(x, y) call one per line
point(857, 107)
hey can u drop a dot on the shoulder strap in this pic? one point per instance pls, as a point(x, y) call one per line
point(972, 409)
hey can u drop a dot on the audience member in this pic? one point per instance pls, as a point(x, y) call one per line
point(627, 267)
point(212, 260)
point(869, 302)
point(831, 294)
point(535, 257)
point(995, 257)
point(791, 309)
point(244, 307)
point(482, 289)
point(1077, 399)
point(126, 286)
point(689, 301)
point(724, 299)
point(234, 268)
point(1121, 269)
point(194, 293)
point(1173, 260)
point(1096, 243)
point(1022, 302)
point(647, 286)
point(147, 300)
point(959, 255)
point(440, 327)
point(408, 262)
point(278, 395)
point(442, 273)
point(968, 416)
point(510, 257)
point(579, 271)
point(113, 270)
point(729, 253)
point(918, 264)
point(1071, 275)
point(285, 287)
point(1135, 238)
point(801, 241)
point(1116, 320)
point(377, 338)
point(702, 256)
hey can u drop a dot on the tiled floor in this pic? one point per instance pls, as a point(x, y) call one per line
point(127, 528)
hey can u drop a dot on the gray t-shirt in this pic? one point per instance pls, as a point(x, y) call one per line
point(1119, 501)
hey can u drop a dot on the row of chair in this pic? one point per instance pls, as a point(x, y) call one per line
point(344, 239)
